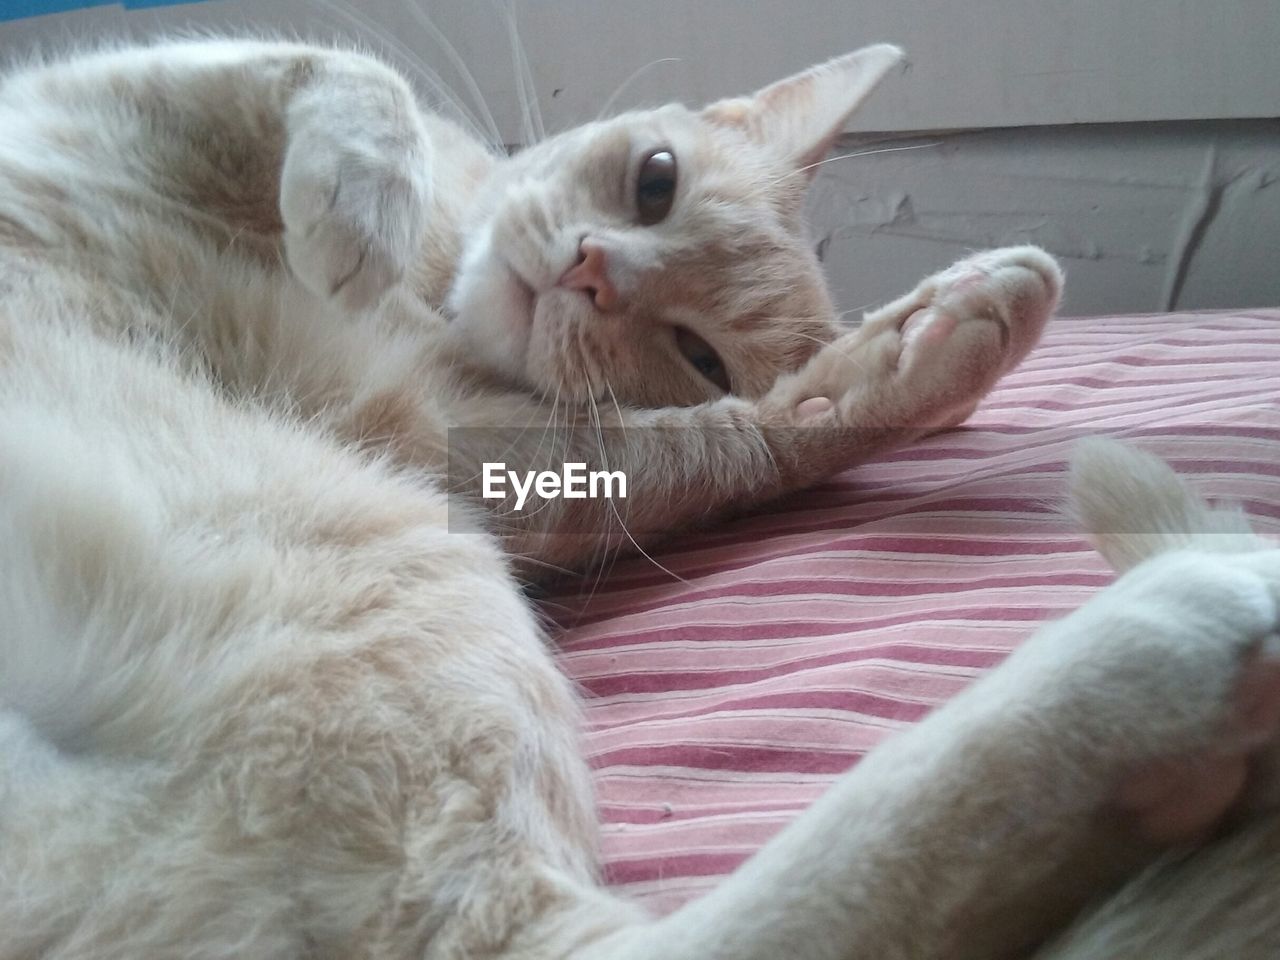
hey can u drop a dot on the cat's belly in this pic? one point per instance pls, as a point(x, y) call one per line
point(257, 647)
point(209, 533)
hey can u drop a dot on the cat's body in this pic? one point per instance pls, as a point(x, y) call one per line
point(263, 694)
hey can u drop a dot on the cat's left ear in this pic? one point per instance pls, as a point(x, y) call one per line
point(802, 115)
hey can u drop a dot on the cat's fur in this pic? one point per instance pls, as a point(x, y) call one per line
point(259, 697)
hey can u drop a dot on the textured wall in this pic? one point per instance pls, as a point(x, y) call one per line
point(1145, 217)
point(974, 63)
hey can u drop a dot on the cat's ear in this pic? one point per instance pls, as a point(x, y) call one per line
point(801, 116)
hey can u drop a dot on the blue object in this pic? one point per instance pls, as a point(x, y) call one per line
point(17, 9)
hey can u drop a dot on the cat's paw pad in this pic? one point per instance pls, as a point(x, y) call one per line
point(1016, 287)
point(926, 360)
point(969, 325)
point(354, 220)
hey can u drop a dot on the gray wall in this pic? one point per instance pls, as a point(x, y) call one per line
point(1130, 138)
point(1145, 216)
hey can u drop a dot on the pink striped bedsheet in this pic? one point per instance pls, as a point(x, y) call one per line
point(726, 691)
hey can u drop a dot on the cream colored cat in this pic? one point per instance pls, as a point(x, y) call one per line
point(260, 698)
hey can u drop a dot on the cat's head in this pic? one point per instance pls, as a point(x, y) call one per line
point(661, 254)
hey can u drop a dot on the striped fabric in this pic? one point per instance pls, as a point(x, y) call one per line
point(723, 702)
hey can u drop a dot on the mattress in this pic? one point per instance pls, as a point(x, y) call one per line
point(732, 679)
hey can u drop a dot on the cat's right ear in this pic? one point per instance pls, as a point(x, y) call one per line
point(801, 116)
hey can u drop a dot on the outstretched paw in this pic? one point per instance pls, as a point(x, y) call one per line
point(924, 361)
point(1015, 288)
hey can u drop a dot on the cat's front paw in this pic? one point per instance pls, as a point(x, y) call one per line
point(1015, 288)
point(924, 361)
point(354, 207)
point(1171, 677)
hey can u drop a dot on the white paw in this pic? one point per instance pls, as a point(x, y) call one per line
point(926, 360)
point(354, 213)
point(1172, 675)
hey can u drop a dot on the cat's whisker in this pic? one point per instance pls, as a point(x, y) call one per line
point(459, 64)
point(853, 360)
point(626, 445)
point(486, 131)
point(861, 309)
point(764, 188)
point(530, 111)
point(604, 463)
point(542, 438)
point(824, 344)
point(851, 156)
point(541, 606)
point(635, 75)
point(838, 319)
point(512, 444)
point(553, 426)
point(810, 337)
point(521, 412)
point(602, 548)
point(798, 317)
point(603, 570)
point(841, 317)
point(465, 74)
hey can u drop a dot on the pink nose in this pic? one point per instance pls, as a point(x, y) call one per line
point(591, 275)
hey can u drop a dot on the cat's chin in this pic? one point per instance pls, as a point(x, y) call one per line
point(493, 315)
point(523, 300)
point(508, 325)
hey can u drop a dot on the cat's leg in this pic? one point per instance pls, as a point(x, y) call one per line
point(1222, 900)
point(974, 832)
point(919, 364)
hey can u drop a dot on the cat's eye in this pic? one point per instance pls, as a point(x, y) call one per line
point(656, 186)
point(702, 357)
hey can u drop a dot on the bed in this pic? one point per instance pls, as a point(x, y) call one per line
point(727, 691)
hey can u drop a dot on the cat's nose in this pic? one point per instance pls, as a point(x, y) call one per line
point(591, 275)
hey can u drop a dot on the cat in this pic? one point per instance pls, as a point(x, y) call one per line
point(269, 685)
